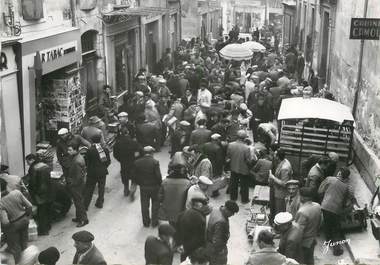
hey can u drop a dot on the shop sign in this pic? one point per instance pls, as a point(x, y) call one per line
point(57, 52)
point(365, 29)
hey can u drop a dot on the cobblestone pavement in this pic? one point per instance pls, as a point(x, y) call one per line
point(120, 235)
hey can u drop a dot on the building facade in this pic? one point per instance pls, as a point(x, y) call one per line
point(249, 15)
point(59, 55)
point(322, 33)
point(201, 18)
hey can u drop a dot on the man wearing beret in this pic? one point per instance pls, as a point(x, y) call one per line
point(291, 236)
point(86, 252)
point(147, 175)
point(49, 256)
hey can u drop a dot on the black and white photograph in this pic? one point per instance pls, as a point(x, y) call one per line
point(190, 132)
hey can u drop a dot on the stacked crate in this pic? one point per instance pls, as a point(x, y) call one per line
point(66, 93)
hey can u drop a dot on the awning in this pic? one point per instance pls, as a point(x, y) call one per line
point(314, 108)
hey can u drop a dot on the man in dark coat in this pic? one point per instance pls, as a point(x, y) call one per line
point(201, 135)
point(221, 128)
point(147, 133)
point(126, 150)
point(216, 153)
point(65, 138)
point(309, 218)
point(180, 138)
point(218, 232)
point(40, 188)
point(98, 160)
point(148, 176)
point(75, 183)
point(291, 236)
point(188, 99)
point(86, 252)
point(239, 157)
point(316, 176)
point(192, 227)
point(158, 250)
point(300, 67)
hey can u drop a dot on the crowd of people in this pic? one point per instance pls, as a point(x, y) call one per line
point(219, 118)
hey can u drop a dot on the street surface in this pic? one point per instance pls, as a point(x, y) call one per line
point(120, 235)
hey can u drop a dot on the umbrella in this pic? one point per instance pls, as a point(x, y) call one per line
point(236, 51)
point(254, 46)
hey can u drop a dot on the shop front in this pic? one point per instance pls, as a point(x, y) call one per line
point(53, 96)
point(289, 22)
point(11, 151)
point(122, 45)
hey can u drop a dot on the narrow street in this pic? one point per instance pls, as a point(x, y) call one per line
point(120, 235)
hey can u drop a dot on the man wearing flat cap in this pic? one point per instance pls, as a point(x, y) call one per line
point(239, 157)
point(291, 236)
point(292, 200)
point(200, 135)
point(159, 250)
point(66, 138)
point(217, 155)
point(147, 175)
point(124, 122)
point(94, 128)
point(180, 137)
point(86, 251)
point(218, 232)
point(198, 191)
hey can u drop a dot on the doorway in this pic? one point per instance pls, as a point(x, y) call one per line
point(325, 45)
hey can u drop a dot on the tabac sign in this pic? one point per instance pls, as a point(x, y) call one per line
point(365, 29)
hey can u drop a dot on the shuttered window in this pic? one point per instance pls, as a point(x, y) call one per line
point(32, 9)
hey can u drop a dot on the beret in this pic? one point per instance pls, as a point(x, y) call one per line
point(215, 136)
point(292, 181)
point(148, 149)
point(242, 134)
point(333, 156)
point(83, 236)
point(63, 131)
point(205, 180)
point(122, 114)
point(243, 106)
point(49, 256)
point(184, 123)
point(94, 119)
point(283, 218)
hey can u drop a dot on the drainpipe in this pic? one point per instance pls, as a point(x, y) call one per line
point(359, 78)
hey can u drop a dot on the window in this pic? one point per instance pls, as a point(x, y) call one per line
point(32, 9)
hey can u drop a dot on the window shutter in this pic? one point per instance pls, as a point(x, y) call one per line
point(32, 9)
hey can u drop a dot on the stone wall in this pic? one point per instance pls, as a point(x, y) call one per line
point(344, 69)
